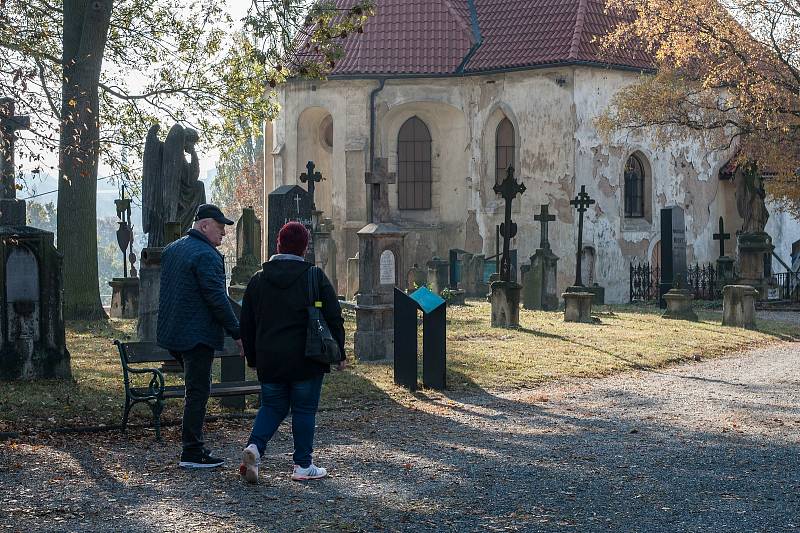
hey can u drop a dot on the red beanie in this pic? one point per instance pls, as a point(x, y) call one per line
point(293, 239)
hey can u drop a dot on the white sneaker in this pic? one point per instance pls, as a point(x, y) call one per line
point(249, 467)
point(312, 472)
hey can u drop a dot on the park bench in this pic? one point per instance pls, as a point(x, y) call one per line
point(232, 382)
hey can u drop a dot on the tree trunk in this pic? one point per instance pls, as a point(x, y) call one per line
point(85, 33)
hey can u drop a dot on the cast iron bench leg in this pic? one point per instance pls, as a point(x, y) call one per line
point(128, 406)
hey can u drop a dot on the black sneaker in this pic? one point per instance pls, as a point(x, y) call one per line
point(201, 459)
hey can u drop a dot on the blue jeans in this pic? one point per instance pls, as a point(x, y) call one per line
point(276, 399)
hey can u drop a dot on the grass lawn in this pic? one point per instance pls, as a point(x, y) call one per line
point(479, 357)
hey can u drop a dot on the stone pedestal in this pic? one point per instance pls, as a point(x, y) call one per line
point(380, 250)
point(505, 296)
point(124, 298)
point(578, 305)
point(32, 340)
point(752, 249)
point(679, 305)
point(539, 281)
point(456, 297)
point(149, 288)
point(739, 306)
point(725, 271)
point(438, 275)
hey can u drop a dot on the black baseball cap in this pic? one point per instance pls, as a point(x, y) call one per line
point(212, 211)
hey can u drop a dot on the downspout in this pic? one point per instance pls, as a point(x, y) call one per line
point(372, 124)
point(477, 37)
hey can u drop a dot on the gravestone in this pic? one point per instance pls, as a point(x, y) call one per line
point(325, 250)
point(725, 270)
point(125, 290)
point(434, 339)
point(285, 204)
point(739, 306)
point(539, 279)
point(577, 298)
point(438, 275)
point(415, 278)
point(457, 294)
point(380, 252)
point(505, 293)
point(352, 277)
point(472, 275)
point(673, 252)
point(248, 253)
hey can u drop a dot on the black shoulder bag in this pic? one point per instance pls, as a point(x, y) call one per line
point(320, 344)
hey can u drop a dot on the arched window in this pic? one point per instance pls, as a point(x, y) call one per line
point(634, 188)
point(414, 165)
point(504, 149)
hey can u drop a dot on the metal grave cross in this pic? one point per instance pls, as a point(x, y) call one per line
point(581, 202)
point(378, 182)
point(297, 203)
point(312, 178)
point(508, 189)
point(722, 237)
point(9, 125)
point(545, 218)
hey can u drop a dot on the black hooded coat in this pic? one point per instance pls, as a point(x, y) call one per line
point(274, 320)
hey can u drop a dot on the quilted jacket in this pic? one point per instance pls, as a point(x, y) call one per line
point(193, 306)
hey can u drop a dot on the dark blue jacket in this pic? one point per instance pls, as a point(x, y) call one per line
point(193, 306)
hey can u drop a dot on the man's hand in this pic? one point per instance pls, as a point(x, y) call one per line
point(241, 347)
point(341, 365)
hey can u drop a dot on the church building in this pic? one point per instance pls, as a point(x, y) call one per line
point(452, 92)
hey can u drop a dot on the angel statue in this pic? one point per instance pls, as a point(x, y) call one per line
point(171, 190)
point(751, 199)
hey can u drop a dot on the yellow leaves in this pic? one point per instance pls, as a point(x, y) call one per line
point(72, 102)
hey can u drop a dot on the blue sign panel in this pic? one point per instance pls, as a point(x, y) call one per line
point(426, 300)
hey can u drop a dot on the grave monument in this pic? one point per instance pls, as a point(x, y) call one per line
point(32, 339)
point(755, 244)
point(125, 290)
point(380, 264)
point(248, 253)
point(672, 290)
point(505, 293)
point(725, 270)
point(577, 299)
point(539, 287)
point(285, 204)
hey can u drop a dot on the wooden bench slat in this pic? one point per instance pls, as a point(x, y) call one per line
point(150, 352)
point(229, 388)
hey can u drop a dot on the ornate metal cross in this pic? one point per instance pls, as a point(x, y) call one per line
point(545, 218)
point(9, 125)
point(378, 190)
point(509, 189)
point(581, 202)
point(312, 178)
point(721, 237)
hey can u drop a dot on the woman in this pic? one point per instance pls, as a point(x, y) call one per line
point(273, 327)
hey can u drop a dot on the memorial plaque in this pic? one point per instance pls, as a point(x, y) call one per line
point(673, 251)
point(22, 276)
point(285, 204)
point(387, 266)
point(434, 339)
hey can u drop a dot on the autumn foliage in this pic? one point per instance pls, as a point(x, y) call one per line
point(724, 69)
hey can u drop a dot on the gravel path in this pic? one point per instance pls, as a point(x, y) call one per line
point(711, 446)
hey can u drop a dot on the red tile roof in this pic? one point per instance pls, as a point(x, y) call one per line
point(447, 37)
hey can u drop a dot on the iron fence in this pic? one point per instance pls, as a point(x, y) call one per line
point(788, 286)
point(645, 279)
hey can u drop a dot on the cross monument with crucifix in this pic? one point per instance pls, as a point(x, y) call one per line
point(508, 189)
point(545, 218)
point(312, 177)
point(12, 211)
point(581, 202)
point(722, 237)
point(378, 181)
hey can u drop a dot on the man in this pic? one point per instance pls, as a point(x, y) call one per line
point(193, 315)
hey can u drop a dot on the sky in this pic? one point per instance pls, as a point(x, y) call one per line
point(43, 189)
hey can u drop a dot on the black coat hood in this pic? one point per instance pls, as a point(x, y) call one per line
point(282, 273)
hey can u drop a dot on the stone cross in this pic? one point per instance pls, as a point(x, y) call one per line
point(312, 178)
point(378, 199)
point(722, 237)
point(508, 190)
point(581, 202)
point(9, 125)
point(545, 218)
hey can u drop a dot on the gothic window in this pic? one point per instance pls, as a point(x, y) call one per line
point(634, 188)
point(414, 165)
point(504, 149)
